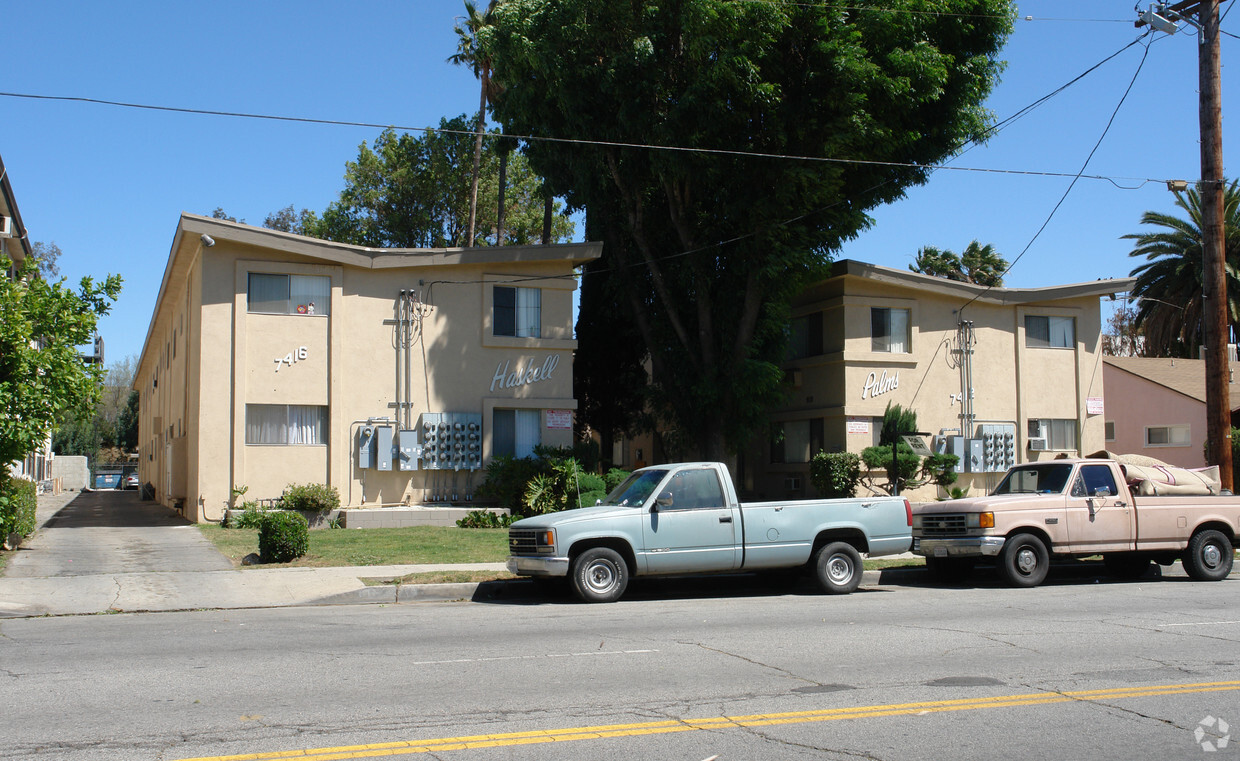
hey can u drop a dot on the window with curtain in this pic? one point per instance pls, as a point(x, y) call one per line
point(1042, 332)
point(889, 330)
point(515, 432)
point(285, 424)
point(289, 294)
point(1060, 433)
point(517, 312)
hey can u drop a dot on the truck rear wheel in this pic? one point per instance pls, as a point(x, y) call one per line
point(599, 575)
point(1209, 556)
point(838, 569)
point(1024, 561)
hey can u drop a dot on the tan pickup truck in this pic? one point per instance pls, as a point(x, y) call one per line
point(1076, 508)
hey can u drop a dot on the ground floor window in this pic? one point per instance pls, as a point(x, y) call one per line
point(1168, 436)
point(1052, 433)
point(285, 424)
point(796, 441)
point(516, 432)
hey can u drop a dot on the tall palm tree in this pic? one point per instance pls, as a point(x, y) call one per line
point(1169, 283)
point(470, 53)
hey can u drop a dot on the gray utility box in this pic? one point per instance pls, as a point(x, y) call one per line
point(383, 447)
point(366, 447)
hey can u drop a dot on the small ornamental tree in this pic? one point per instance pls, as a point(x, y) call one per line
point(42, 375)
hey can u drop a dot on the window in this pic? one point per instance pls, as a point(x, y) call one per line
point(1168, 436)
point(1110, 430)
point(1058, 433)
point(516, 432)
point(694, 489)
point(1049, 332)
point(518, 312)
point(284, 424)
point(1096, 478)
point(289, 294)
point(796, 441)
point(805, 338)
point(889, 330)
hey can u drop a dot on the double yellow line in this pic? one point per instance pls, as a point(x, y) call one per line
point(536, 737)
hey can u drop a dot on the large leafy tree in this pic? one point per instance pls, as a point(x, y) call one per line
point(1168, 284)
point(413, 192)
point(789, 120)
point(42, 375)
point(978, 264)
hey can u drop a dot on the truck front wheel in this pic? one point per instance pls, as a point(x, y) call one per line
point(838, 568)
point(599, 575)
point(1209, 556)
point(1024, 561)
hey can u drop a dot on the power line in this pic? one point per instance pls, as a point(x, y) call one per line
point(1115, 180)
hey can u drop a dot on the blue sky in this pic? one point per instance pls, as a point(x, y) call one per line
point(107, 184)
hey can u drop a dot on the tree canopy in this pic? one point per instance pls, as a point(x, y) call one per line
point(978, 264)
point(1169, 282)
point(413, 192)
point(723, 151)
point(42, 375)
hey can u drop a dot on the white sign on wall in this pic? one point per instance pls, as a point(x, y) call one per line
point(560, 419)
point(879, 384)
point(858, 425)
point(293, 357)
point(523, 374)
point(1094, 405)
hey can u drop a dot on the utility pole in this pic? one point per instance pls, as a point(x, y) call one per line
point(1213, 239)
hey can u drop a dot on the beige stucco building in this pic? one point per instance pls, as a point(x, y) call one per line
point(995, 375)
point(393, 375)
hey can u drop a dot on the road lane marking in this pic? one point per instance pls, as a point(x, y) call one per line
point(492, 659)
point(1199, 623)
point(543, 736)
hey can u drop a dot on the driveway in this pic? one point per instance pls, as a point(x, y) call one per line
point(111, 532)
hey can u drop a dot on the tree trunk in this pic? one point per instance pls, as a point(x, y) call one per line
point(503, 187)
point(473, 182)
point(548, 206)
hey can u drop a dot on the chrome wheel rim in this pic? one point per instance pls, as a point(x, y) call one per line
point(1211, 556)
point(839, 569)
point(601, 576)
point(1026, 560)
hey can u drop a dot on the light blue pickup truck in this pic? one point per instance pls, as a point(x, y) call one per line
point(684, 518)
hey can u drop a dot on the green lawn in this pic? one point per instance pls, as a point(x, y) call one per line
point(376, 546)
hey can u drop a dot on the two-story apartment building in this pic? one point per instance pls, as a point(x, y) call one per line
point(995, 375)
point(393, 375)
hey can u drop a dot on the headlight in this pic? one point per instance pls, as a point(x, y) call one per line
point(916, 521)
point(545, 538)
point(981, 520)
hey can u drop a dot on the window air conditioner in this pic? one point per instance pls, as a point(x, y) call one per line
point(1037, 443)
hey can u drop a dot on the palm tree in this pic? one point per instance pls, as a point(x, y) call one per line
point(979, 264)
point(470, 53)
point(1169, 283)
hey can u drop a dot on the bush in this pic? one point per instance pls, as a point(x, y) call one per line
point(588, 498)
point(484, 519)
point(283, 536)
point(614, 478)
point(835, 474)
point(251, 517)
point(506, 481)
point(318, 498)
point(18, 502)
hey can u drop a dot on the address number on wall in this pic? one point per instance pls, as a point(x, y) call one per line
point(292, 358)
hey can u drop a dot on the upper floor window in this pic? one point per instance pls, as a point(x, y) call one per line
point(518, 312)
point(1042, 332)
point(889, 330)
point(289, 294)
point(805, 337)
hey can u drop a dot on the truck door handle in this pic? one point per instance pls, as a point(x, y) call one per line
point(725, 519)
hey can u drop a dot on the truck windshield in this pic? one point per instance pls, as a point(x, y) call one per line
point(1049, 478)
point(635, 489)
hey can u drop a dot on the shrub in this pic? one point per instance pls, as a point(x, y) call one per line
point(18, 502)
point(506, 481)
point(484, 519)
point(614, 478)
point(283, 536)
point(251, 517)
point(319, 498)
point(588, 498)
point(835, 474)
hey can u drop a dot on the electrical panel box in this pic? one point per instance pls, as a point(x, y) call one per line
point(999, 446)
point(451, 440)
point(976, 460)
point(383, 447)
point(366, 447)
point(408, 452)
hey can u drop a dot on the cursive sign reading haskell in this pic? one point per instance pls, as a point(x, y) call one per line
point(524, 373)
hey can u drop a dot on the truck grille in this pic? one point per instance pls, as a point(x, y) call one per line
point(521, 542)
point(943, 525)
